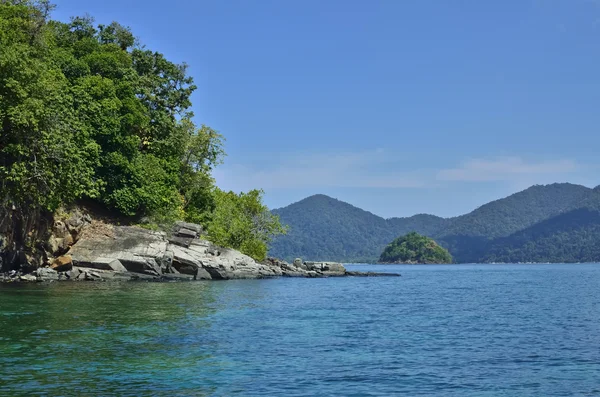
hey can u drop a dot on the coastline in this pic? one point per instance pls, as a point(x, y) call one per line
point(105, 252)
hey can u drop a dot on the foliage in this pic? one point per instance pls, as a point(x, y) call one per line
point(86, 112)
point(414, 248)
point(538, 224)
point(242, 222)
point(508, 215)
point(323, 228)
point(566, 238)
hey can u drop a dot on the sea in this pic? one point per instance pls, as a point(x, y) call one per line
point(438, 330)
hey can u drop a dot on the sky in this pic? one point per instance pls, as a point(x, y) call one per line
point(397, 107)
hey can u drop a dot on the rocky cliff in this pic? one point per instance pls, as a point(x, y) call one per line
point(94, 250)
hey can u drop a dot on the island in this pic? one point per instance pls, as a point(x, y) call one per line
point(414, 248)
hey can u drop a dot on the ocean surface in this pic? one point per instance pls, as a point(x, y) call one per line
point(453, 330)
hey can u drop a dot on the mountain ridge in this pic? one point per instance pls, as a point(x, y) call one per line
point(325, 228)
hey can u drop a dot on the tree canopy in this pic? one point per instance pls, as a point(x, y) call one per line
point(86, 112)
point(414, 248)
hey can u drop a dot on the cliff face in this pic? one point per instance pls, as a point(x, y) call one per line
point(82, 248)
point(27, 247)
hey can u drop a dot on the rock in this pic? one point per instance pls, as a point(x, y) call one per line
point(60, 229)
point(371, 274)
point(62, 263)
point(141, 265)
point(66, 242)
point(327, 268)
point(107, 264)
point(190, 226)
point(53, 244)
point(181, 241)
point(135, 253)
point(228, 264)
point(46, 274)
point(136, 249)
point(28, 278)
point(92, 276)
point(186, 233)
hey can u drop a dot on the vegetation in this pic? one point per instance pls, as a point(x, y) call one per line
point(414, 248)
point(552, 223)
point(521, 210)
point(86, 112)
point(323, 228)
point(243, 222)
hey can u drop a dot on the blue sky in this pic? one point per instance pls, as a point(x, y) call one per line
point(398, 107)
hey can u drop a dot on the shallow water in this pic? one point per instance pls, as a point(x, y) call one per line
point(468, 330)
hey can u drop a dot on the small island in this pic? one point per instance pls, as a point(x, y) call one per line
point(414, 249)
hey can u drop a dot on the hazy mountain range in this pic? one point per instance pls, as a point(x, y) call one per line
point(549, 223)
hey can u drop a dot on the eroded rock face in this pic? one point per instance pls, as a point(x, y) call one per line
point(106, 252)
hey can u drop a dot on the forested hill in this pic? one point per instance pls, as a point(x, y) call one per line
point(508, 215)
point(550, 223)
point(573, 236)
point(323, 228)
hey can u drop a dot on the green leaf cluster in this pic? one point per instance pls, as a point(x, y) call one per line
point(414, 248)
point(242, 222)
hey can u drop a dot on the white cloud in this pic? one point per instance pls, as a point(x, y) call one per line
point(380, 169)
point(352, 169)
point(505, 169)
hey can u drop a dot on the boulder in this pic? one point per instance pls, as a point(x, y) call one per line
point(327, 268)
point(28, 278)
point(124, 252)
point(219, 264)
point(46, 274)
point(299, 264)
point(62, 263)
point(190, 226)
point(135, 249)
point(181, 241)
point(186, 233)
point(107, 264)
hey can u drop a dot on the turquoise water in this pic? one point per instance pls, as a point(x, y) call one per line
point(468, 330)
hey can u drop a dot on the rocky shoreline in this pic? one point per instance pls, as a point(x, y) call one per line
point(105, 252)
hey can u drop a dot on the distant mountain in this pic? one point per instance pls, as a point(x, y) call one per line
point(543, 223)
point(323, 228)
point(467, 236)
point(570, 237)
point(518, 211)
point(573, 236)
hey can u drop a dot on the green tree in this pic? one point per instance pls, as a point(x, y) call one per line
point(243, 222)
point(414, 248)
point(44, 158)
point(87, 112)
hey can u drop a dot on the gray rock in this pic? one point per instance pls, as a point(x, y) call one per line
point(106, 264)
point(136, 253)
point(181, 241)
point(327, 268)
point(229, 264)
point(186, 233)
point(28, 278)
point(136, 249)
point(46, 274)
point(191, 226)
point(92, 276)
